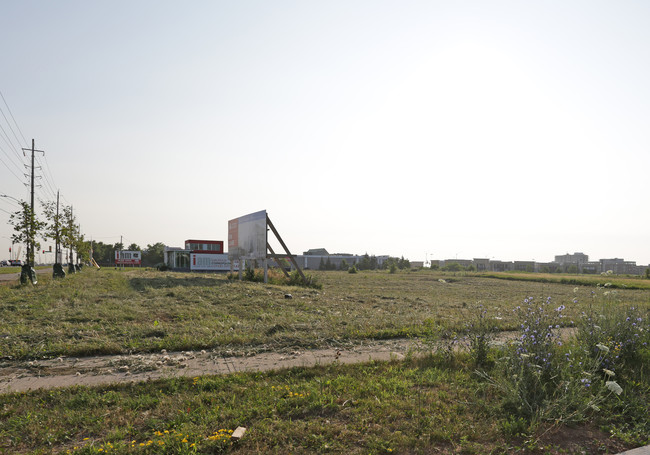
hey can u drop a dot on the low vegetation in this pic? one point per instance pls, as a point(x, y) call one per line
point(543, 390)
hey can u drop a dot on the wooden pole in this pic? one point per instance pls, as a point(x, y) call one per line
point(286, 249)
point(275, 256)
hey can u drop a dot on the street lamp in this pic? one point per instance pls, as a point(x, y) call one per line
point(10, 197)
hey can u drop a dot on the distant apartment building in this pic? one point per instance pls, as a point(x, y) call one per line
point(501, 266)
point(481, 265)
point(575, 258)
point(621, 267)
point(461, 262)
point(524, 266)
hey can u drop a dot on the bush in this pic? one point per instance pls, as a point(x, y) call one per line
point(352, 269)
point(615, 336)
point(541, 379)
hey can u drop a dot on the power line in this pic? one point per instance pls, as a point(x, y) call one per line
point(7, 155)
point(7, 139)
point(9, 125)
point(49, 171)
point(13, 118)
point(9, 169)
point(48, 184)
point(9, 200)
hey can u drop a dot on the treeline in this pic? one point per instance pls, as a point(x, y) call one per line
point(104, 253)
point(367, 263)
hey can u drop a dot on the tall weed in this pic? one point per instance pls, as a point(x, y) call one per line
point(542, 378)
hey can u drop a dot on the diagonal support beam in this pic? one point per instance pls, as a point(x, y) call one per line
point(291, 258)
point(276, 256)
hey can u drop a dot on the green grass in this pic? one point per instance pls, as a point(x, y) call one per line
point(430, 404)
point(110, 312)
point(422, 405)
point(611, 281)
point(373, 408)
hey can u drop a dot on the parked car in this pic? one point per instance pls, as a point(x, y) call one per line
point(4, 263)
point(15, 262)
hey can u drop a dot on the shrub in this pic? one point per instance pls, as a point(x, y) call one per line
point(614, 335)
point(352, 269)
point(542, 379)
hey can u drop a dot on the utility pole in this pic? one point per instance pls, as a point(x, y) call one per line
point(71, 268)
point(58, 230)
point(27, 270)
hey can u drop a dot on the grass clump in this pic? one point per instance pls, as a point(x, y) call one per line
point(278, 278)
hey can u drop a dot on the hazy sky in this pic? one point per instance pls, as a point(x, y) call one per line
point(501, 129)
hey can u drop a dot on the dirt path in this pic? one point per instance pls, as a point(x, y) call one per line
point(20, 376)
point(64, 372)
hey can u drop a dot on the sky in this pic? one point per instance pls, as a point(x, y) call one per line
point(506, 130)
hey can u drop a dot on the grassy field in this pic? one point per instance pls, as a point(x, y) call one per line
point(417, 406)
point(610, 281)
point(110, 312)
point(432, 404)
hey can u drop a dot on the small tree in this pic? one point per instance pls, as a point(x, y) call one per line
point(53, 230)
point(27, 227)
point(153, 254)
point(69, 235)
point(83, 249)
point(452, 267)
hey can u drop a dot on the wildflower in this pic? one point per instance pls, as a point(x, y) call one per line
point(602, 347)
point(614, 387)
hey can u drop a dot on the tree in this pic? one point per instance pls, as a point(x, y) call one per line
point(367, 262)
point(27, 228)
point(403, 263)
point(452, 267)
point(647, 273)
point(329, 265)
point(134, 247)
point(69, 235)
point(83, 249)
point(53, 228)
point(153, 254)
